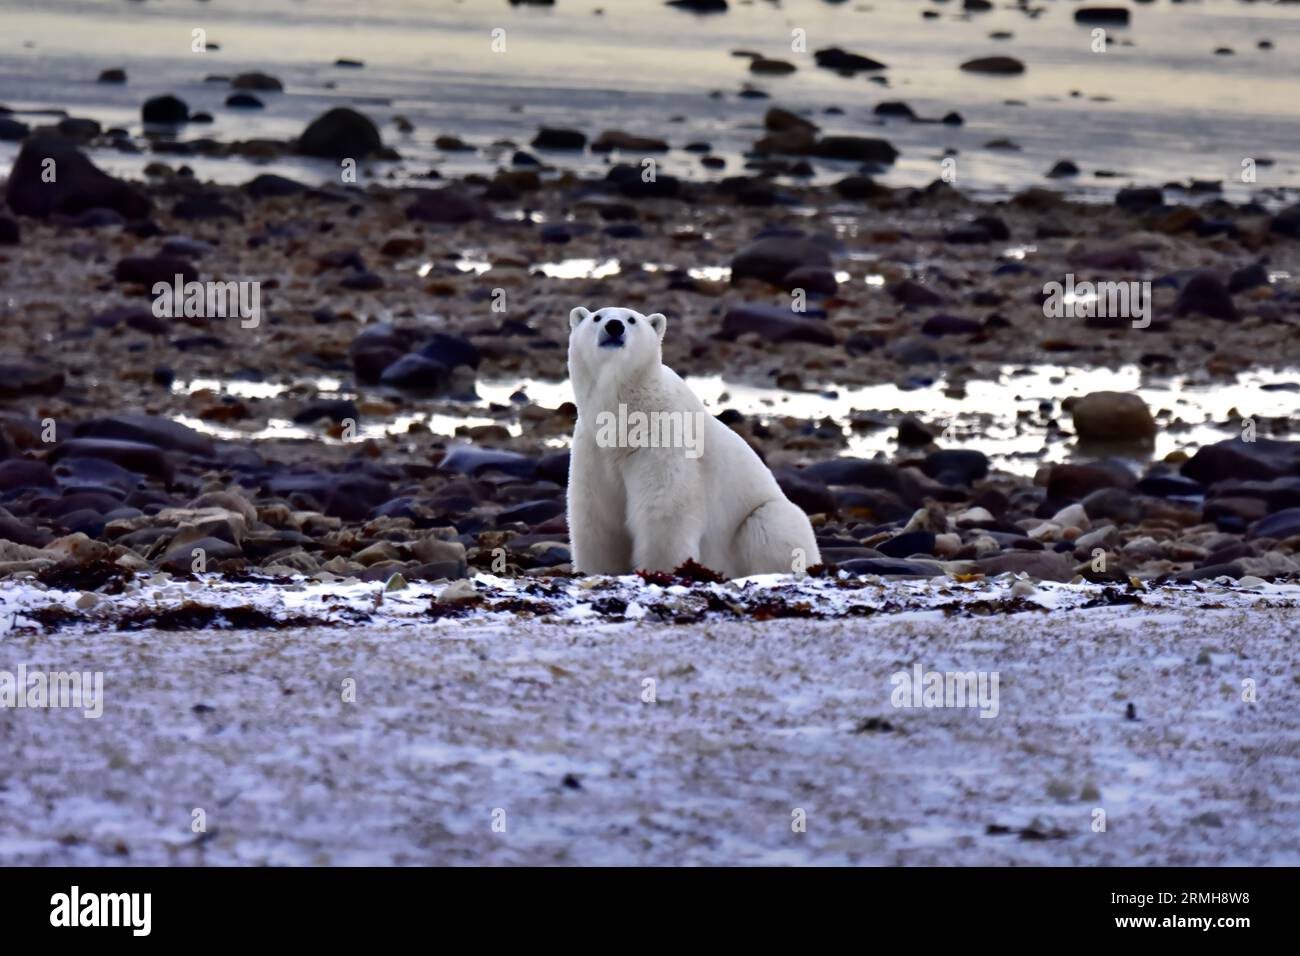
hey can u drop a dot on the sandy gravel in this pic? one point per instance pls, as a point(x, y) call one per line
point(751, 722)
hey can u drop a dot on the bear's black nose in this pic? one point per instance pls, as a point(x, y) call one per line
point(614, 329)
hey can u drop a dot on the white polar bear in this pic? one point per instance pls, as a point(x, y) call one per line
point(654, 479)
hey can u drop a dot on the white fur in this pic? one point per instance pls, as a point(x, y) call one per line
point(651, 508)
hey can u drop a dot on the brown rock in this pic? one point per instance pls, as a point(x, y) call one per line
point(1112, 417)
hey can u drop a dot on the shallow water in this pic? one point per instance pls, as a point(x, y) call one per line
point(1157, 105)
point(1015, 418)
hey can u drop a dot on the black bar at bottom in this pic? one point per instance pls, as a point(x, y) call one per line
point(337, 905)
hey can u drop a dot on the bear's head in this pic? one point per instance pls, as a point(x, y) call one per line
point(618, 340)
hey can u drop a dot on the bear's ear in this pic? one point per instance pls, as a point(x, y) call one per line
point(659, 323)
point(576, 316)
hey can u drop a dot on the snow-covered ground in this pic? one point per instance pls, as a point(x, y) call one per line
point(623, 722)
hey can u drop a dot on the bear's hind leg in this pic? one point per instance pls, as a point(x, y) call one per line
point(775, 538)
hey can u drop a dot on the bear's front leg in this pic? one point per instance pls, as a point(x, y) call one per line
point(598, 535)
point(665, 510)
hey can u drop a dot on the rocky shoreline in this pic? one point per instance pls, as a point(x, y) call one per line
point(323, 439)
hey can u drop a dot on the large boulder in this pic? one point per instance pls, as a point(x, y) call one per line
point(694, 6)
point(150, 270)
point(833, 58)
point(909, 292)
point(1287, 222)
point(996, 65)
point(1071, 481)
point(451, 350)
point(795, 141)
point(341, 133)
point(1040, 565)
point(1205, 294)
point(862, 149)
point(956, 466)
point(787, 133)
point(856, 472)
point(77, 184)
point(808, 493)
point(448, 205)
point(629, 181)
point(775, 324)
point(549, 137)
point(1113, 417)
point(134, 456)
point(20, 376)
point(165, 110)
point(1234, 459)
point(475, 461)
point(13, 130)
point(377, 347)
point(1283, 524)
point(257, 81)
point(774, 258)
point(417, 373)
point(269, 185)
point(1115, 16)
point(348, 496)
point(149, 430)
point(1140, 199)
point(613, 139)
point(779, 120)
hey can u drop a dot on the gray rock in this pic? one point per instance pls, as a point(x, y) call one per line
point(1263, 460)
point(956, 466)
point(417, 373)
point(1042, 565)
point(772, 259)
point(1117, 504)
point(150, 430)
point(21, 376)
point(891, 567)
point(1205, 294)
point(472, 460)
point(1282, 524)
point(448, 205)
point(133, 456)
point(775, 324)
point(180, 556)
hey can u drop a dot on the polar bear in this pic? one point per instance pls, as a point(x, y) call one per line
point(654, 479)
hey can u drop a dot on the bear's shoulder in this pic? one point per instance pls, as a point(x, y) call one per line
point(668, 389)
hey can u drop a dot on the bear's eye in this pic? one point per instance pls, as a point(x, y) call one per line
point(631, 321)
